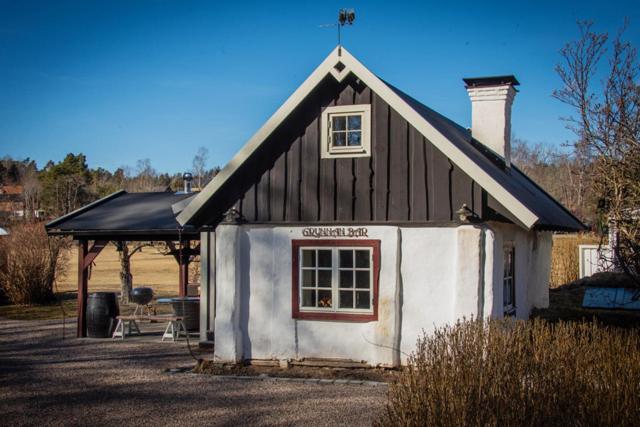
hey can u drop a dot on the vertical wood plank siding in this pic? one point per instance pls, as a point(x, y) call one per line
point(405, 179)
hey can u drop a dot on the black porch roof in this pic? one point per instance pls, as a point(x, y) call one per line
point(126, 216)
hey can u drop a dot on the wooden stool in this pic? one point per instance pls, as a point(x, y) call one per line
point(126, 322)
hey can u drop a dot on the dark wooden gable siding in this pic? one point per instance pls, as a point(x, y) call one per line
point(406, 179)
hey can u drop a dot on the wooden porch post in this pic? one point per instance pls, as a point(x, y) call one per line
point(83, 282)
point(184, 267)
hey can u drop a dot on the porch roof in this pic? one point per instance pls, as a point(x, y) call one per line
point(126, 216)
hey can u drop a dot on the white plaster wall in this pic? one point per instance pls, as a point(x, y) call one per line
point(228, 339)
point(540, 270)
point(428, 277)
point(491, 307)
point(532, 268)
point(261, 290)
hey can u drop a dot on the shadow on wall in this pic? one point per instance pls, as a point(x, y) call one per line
point(245, 294)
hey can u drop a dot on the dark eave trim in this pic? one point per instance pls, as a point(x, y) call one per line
point(560, 205)
point(189, 234)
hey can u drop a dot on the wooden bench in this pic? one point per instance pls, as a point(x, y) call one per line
point(124, 323)
point(175, 325)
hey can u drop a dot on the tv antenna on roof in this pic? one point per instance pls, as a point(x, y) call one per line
point(345, 17)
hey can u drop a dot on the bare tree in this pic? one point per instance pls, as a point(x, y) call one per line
point(199, 165)
point(607, 126)
point(31, 190)
point(564, 175)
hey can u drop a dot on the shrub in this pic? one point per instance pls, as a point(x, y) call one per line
point(519, 373)
point(564, 257)
point(29, 263)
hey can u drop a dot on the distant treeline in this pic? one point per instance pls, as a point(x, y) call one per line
point(59, 188)
point(567, 176)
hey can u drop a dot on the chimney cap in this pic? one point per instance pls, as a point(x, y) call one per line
point(491, 81)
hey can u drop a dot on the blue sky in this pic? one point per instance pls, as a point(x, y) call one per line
point(122, 81)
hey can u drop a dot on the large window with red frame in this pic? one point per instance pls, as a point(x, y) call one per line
point(335, 279)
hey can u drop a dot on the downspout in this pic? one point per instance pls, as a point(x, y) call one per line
point(397, 329)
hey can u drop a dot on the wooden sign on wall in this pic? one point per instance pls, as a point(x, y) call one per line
point(323, 232)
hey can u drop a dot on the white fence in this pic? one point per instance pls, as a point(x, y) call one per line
point(591, 261)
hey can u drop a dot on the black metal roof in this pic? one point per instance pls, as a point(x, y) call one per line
point(126, 216)
point(552, 215)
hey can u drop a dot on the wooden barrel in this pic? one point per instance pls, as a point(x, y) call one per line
point(189, 309)
point(102, 309)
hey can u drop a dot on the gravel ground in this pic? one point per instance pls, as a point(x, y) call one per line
point(45, 380)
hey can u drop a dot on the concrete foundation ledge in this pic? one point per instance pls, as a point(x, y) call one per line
point(312, 371)
point(319, 381)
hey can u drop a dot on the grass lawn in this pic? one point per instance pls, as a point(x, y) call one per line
point(40, 312)
point(65, 306)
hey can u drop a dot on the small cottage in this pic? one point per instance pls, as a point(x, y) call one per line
point(356, 217)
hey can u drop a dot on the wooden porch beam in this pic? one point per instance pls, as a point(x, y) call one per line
point(183, 261)
point(95, 250)
point(174, 251)
point(83, 284)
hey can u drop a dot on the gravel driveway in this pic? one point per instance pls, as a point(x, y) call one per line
point(45, 380)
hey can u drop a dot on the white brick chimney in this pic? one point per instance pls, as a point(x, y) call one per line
point(491, 99)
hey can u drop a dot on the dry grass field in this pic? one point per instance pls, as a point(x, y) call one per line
point(149, 268)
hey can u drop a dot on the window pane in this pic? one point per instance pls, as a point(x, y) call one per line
point(324, 298)
point(346, 279)
point(339, 139)
point(355, 139)
point(308, 278)
point(324, 278)
point(362, 300)
point(508, 293)
point(339, 122)
point(324, 258)
point(346, 299)
point(506, 264)
point(362, 259)
point(346, 258)
point(362, 279)
point(308, 258)
point(355, 122)
point(308, 298)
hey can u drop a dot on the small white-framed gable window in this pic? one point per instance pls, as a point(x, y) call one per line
point(346, 131)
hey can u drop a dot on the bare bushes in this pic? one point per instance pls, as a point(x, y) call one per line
point(520, 373)
point(29, 263)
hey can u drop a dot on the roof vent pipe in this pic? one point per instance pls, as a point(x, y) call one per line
point(187, 178)
point(491, 100)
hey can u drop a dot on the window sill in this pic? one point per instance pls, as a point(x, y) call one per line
point(334, 316)
point(337, 154)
